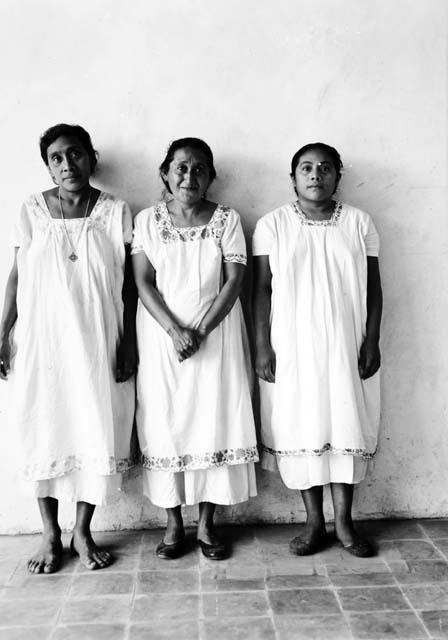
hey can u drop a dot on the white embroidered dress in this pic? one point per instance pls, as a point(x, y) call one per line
point(74, 420)
point(319, 419)
point(194, 418)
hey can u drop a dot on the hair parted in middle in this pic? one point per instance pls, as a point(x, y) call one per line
point(184, 143)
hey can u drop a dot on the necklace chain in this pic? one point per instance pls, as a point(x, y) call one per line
point(74, 256)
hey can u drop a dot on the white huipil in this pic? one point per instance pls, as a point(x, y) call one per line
point(73, 418)
point(319, 419)
point(194, 418)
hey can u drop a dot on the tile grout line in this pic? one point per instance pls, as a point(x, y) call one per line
point(269, 609)
point(412, 608)
point(344, 613)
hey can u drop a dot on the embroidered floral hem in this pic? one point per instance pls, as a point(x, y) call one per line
point(104, 467)
point(192, 462)
point(327, 448)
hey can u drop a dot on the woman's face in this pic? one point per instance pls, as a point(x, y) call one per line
point(188, 176)
point(315, 176)
point(69, 163)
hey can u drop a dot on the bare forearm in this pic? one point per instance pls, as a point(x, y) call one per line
point(9, 315)
point(374, 301)
point(130, 298)
point(156, 306)
point(221, 306)
point(261, 313)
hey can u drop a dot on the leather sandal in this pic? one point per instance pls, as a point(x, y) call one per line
point(216, 551)
point(360, 548)
point(170, 551)
point(300, 547)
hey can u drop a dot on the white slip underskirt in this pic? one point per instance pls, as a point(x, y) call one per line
point(80, 486)
point(304, 472)
point(224, 485)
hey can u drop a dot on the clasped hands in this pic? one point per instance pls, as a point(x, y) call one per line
point(186, 341)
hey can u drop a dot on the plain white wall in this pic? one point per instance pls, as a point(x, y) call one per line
point(257, 79)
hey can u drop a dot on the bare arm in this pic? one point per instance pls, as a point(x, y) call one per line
point(9, 317)
point(370, 357)
point(184, 339)
point(264, 354)
point(224, 301)
point(127, 350)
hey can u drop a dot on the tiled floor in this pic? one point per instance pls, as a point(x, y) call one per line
point(260, 593)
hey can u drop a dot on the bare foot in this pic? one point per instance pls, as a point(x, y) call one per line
point(345, 532)
point(91, 556)
point(49, 555)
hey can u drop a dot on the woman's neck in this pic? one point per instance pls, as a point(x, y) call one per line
point(317, 210)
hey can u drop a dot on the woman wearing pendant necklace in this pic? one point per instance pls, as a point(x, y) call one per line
point(67, 344)
point(317, 312)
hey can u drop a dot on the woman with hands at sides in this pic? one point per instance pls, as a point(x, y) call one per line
point(194, 413)
point(317, 309)
point(67, 343)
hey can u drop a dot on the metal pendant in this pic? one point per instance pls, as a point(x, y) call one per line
point(73, 257)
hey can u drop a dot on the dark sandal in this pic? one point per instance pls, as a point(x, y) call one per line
point(216, 551)
point(170, 551)
point(300, 547)
point(360, 548)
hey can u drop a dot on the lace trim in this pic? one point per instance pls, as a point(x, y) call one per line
point(235, 257)
point(318, 223)
point(169, 233)
point(99, 217)
point(190, 462)
point(103, 466)
point(327, 448)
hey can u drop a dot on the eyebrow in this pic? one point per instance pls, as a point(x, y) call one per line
point(320, 162)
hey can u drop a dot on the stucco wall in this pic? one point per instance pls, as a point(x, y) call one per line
point(257, 79)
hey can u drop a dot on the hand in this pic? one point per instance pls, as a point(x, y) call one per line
point(369, 358)
point(185, 342)
point(5, 359)
point(127, 360)
point(265, 363)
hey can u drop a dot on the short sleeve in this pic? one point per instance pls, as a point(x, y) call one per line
point(127, 224)
point(263, 238)
point(233, 244)
point(21, 232)
point(372, 239)
point(137, 235)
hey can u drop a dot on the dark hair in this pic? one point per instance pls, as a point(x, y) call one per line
point(321, 146)
point(182, 143)
point(53, 133)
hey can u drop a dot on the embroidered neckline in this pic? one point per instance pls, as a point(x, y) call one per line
point(43, 203)
point(327, 448)
point(194, 461)
point(166, 212)
point(318, 223)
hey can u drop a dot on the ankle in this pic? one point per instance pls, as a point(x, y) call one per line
point(52, 532)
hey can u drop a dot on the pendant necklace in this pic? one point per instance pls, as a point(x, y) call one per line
point(73, 256)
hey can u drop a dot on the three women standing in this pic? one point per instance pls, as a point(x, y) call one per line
point(317, 310)
point(194, 413)
point(70, 296)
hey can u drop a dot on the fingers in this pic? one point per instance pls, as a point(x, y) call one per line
point(266, 371)
point(4, 369)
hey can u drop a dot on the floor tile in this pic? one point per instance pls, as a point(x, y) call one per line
point(362, 579)
point(409, 550)
point(101, 584)
point(296, 581)
point(436, 622)
point(372, 599)
point(25, 633)
point(442, 545)
point(378, 626)
point(312, 627)
point(149, 561)
point(390, 529)
point(165, 630)
point(29, 612)
point(239, 629)
point(422, 571)
point(38, 586)
point(106, 609)
point(169, 606)
point(435, 528)
point(303, 601)
point(90, 632)
point(168, 582)
point(238, 604)
point(429, 596)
